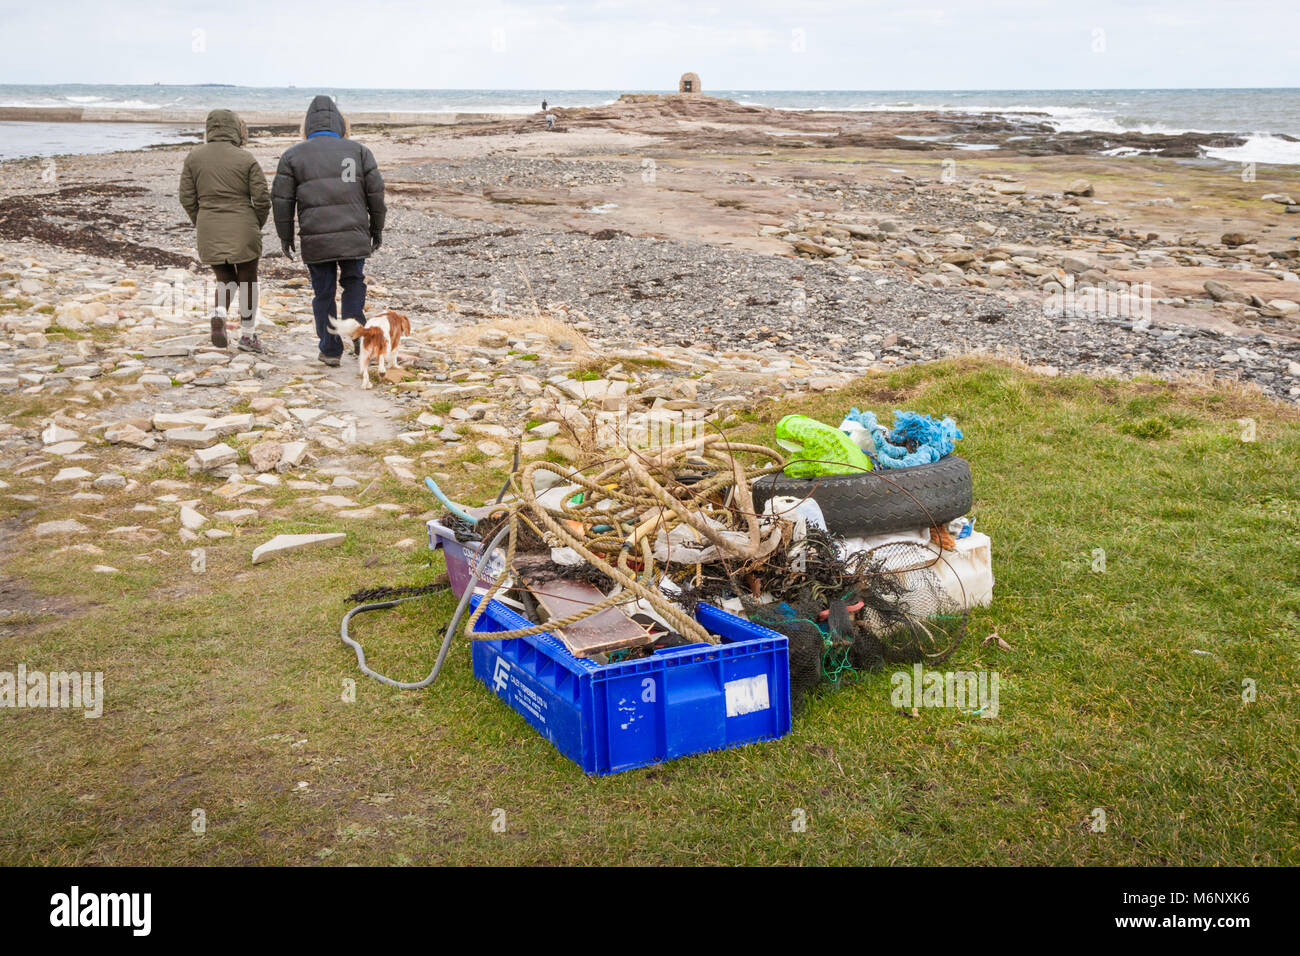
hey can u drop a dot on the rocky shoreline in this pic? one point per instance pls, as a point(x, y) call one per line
point(627, 225)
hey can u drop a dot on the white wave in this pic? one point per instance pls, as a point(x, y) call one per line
point(1259, 148)
point(82, 102)
point(1064, 119)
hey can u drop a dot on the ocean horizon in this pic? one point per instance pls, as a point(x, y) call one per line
point(1268, 117)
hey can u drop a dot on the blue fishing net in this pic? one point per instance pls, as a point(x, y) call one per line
point(929, 439)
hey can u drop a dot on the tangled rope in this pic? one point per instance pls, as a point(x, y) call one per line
point(628, 505)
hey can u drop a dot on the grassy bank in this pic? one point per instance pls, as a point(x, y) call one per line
point(1122, 689)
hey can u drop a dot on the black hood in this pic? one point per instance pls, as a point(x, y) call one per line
point(324, 117)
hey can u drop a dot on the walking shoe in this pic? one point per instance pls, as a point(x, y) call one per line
point(219, 331)
point(251, 343)
point(333, 361)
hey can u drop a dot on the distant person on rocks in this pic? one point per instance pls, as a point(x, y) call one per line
point(543, 106)
point(223, 190)
point(334, 186)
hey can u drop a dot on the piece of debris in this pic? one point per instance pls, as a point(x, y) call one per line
point(283, 543)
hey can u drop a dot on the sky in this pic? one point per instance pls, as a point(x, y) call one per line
point(631, 44)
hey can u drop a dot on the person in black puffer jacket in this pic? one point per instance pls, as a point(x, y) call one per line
point(334, 186)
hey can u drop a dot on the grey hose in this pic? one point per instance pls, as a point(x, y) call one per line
point(475, 572)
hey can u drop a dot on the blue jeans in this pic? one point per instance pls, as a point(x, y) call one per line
point(325, 278)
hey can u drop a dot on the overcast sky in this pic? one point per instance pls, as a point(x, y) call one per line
point(631, 44)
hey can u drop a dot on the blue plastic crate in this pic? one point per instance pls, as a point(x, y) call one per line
point(612, 717)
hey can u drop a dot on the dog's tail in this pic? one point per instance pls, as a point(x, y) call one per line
point(345, 328)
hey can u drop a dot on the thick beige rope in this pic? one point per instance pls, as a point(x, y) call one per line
point(636, 516)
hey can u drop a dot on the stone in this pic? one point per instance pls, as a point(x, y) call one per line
point(1080, 187)
point(1283, 306)
point(215, 457)
point(110, 481)
point(397, 465)
point(291, 455)
point(337, 501)
point(306, 415)
point(54, 434)
point(1223, 293)
point(195, 418)
point(264, 456)
point(124, 433)
point(545, 430)
point(1233, 239)
point(284, 543)
point(808, 247)
point(191, 437)
point(234, 490)
point(66, 448)
point(71, 474)
point(229, 424)
point(191, 519)
point(67, 526)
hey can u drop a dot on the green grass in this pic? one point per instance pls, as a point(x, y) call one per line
point(1122, 691)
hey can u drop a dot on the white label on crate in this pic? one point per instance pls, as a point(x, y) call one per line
point(746, 695)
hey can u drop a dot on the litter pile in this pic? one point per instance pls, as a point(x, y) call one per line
point(856, 547)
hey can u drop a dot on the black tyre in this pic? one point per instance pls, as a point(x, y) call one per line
point(878, 502)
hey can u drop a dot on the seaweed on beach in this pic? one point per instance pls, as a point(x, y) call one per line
point(40, 217)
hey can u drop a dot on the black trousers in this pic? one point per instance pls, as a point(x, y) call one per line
point(325, 279)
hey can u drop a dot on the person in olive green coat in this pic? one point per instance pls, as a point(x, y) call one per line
point(224, 192)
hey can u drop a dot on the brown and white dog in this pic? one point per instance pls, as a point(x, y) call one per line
point(377, 339)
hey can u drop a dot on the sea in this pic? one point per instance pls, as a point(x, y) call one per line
point(1265, 116)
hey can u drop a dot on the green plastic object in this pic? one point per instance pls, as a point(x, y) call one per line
point(832, 452)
